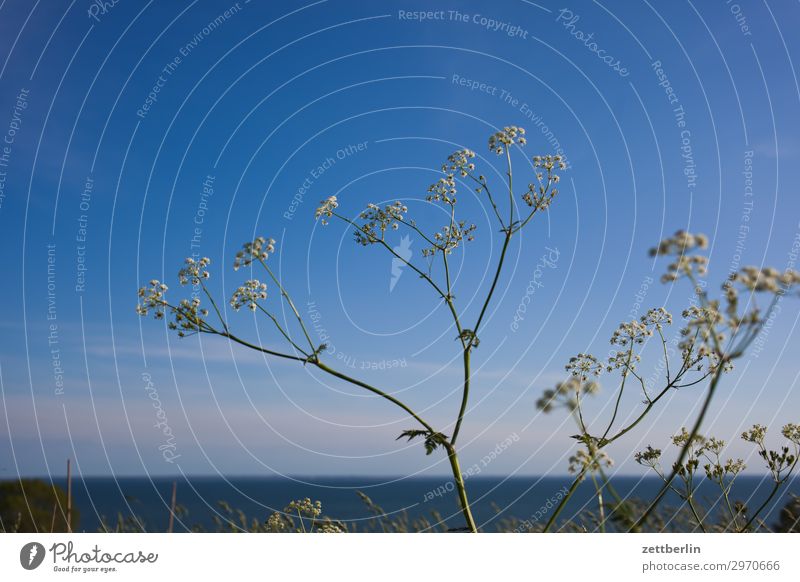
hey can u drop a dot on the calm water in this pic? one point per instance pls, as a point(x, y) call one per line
point(257, 497)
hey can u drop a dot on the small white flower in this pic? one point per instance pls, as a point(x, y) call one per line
point(249, 295)
point(326, 208)
point(258, 250)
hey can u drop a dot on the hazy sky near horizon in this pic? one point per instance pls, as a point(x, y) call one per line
point(140, 133)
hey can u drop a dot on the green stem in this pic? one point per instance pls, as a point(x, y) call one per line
point(464, 395)
point(374, 390)
point(563, 503)
point(290, 302)
point(280, 329)
point(621, 390)
point(214, 305)
point(695, 514)
point(602, 513)
point(494, 281)
point(462, 491)
point(485, 187)
point(247, 344)
point(775, 489)
point(510, 189)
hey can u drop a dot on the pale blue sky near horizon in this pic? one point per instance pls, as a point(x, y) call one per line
point(278, 105)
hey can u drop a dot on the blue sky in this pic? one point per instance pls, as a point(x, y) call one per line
point(256, 103)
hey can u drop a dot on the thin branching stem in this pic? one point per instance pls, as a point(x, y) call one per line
point(289, 301)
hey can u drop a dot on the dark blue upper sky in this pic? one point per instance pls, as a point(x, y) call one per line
point(140, 133)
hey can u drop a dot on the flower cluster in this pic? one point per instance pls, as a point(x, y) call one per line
point(444, 190)
point(589, 461)
point(766, 279)
point(723, 470)
point(657, 318)
point(714, 445)
point(326, 208)
point(631, 332)
point(684, 437)
point(549, 162)
point(277, 523)
point(780, 462)
point(716, 469)
point(502, 140)
point(151, 298)
point(303, 509)
point(566, 394)
point(584, 365)
point(702, 331)
point(329, 527)
point(648, 457)
point(257, 250)
point(626, 361)
point(684, 265)
point(194, 271)
point(449, 238)
point(249, 295)
point(189, 317)
point(791, 432)
point(460, 162)
point(679, 243)
point(378, 221)
point(756, 434)
point(635, 332)
point(540, 195)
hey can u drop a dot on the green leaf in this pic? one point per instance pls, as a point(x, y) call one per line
point(432, 439)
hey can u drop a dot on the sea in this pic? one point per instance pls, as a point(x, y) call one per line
point(205, 501)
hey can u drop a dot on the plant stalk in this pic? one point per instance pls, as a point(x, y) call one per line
point(462, 490)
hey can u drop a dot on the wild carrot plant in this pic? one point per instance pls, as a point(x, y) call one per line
point(512, 210)
point(715, 333)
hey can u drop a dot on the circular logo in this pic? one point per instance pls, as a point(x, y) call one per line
point(31, 555)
